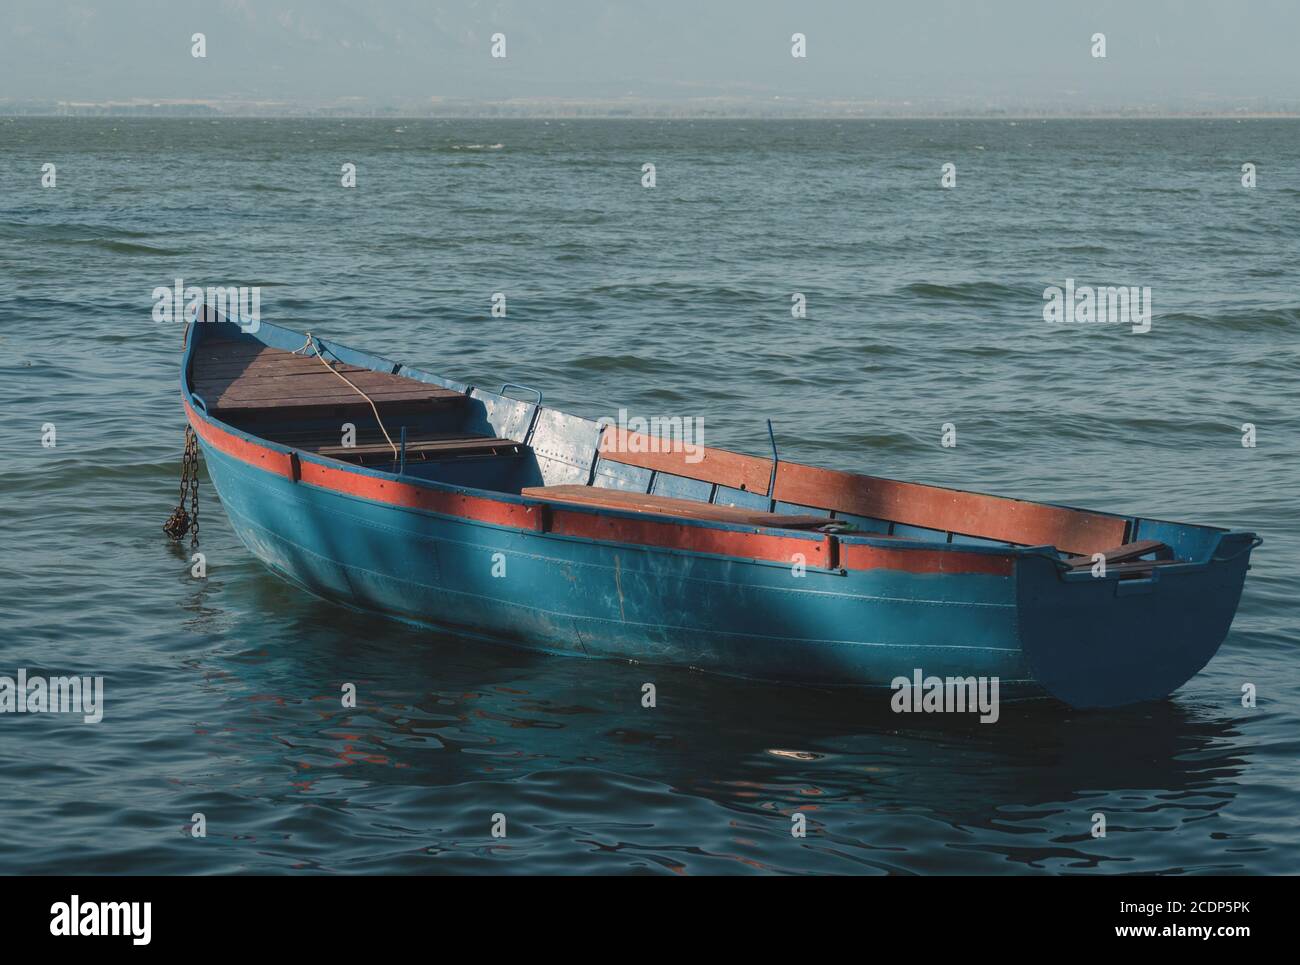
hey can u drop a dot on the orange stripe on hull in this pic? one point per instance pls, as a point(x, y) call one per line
point(863, 557)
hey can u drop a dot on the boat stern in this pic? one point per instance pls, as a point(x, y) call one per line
point(1106, 640)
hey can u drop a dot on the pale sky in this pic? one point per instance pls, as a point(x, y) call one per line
point(1008, 54)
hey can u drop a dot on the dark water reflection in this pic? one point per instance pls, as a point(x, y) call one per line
point(449, 732)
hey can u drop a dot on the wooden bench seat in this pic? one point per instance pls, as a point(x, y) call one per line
point(1128, 553)
point(370, 446)
point(423, 448)
point(631, 502)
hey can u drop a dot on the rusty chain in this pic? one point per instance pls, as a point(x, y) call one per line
point(183, 521)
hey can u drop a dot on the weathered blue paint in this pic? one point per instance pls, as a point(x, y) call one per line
point(1041, 630)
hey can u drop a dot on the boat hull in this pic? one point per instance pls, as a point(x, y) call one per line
point(749, 618)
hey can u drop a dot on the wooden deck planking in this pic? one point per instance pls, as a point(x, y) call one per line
point(217, 369)
point(307, 387)
point(236, 376)
point(325, 405)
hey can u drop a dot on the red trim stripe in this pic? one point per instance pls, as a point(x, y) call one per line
point(515, 515)
point(862, 556)
point(825, 552)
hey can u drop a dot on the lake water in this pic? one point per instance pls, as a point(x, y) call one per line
point(924, 306)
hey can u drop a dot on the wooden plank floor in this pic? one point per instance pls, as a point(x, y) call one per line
point(234, 377)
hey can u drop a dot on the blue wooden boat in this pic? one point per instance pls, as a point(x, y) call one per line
point(467, 509)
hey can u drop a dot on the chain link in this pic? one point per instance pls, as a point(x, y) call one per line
point(183, 521)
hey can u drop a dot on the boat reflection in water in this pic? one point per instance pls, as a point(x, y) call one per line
point(448, 732)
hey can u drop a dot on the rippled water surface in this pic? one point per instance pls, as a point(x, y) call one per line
point(924, 308)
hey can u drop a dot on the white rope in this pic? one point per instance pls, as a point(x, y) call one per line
point(312, 343)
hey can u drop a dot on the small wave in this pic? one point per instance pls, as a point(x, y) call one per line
point(618, 363)
point(1084, 250)
point(127, 247)
point(1259, 320)
point(104, 237)
point(965, 293)
point(631, 291)
point(68, 231)
point(477, 147)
